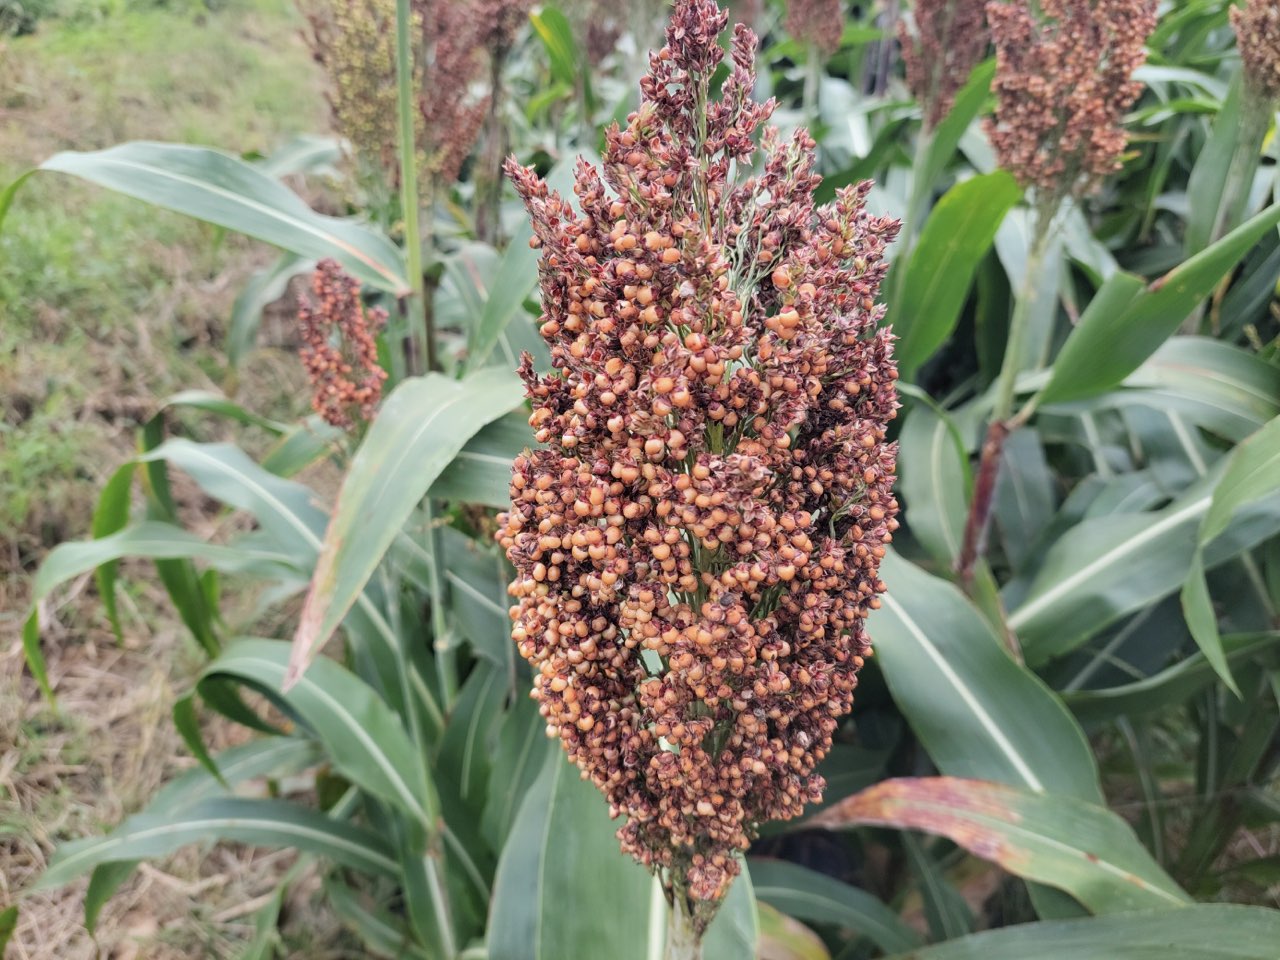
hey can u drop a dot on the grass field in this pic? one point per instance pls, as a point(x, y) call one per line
point(106, 305)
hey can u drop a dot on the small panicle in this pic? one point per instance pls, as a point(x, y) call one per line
point(1257, 26)
point(354, 42)
point(949, 38)
point(1064, 79)
point(820, 22)
point(697, 536)
point(339, 348)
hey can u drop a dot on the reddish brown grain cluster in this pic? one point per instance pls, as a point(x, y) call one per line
point(1257, 26)
point(945, 42)
point(820, 22)
point(338, 347)
point(697, 542)
point(1064, 78)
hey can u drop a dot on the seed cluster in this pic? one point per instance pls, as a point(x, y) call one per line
point(949, 38)
point(698, 539)
point(820, 22)
point(1064, 81)
point(354, 42)
point(338, 347)
point(1257, 26)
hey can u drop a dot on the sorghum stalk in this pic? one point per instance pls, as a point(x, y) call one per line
point(697, 542)
point(419, 333)
point(1064, 79)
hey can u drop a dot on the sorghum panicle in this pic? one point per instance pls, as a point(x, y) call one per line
point(338, 347)
point(820, 22)
point(354, 42)
point(1064, 79)
point(1257, 26)
point(949, 38)
point(698, 539)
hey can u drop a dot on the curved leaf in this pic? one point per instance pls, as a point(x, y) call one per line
point(1080, 848)
point(564, 889)
point(956, 236)
point(1113, 339)
point(221, 189)
point(420, 429)
point(362, 736)
point(1203, 931)
point(977, 712)
point(933, 478)
point(808, 895)
point(267, 823)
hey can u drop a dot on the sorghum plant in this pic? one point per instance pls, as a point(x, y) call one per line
point(948, 40)
point(697, 541)
point(1064, 79)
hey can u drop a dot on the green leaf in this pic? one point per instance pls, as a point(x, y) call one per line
point(111, 516)
point(8, 919)
point(957, 235)
point(969, 102)
point(561, 878)
point(481, 472)
point(268, 757)
point(1253, 472)
point(782, 938)
point(1202, 621)
point(934, 480)
point(1205, 931)
point(945, 910)
point(520, 754)
point(1127, 327)
point(1231, 154)
point(267, 823)
point(264, 287)
point(1078, 847)
point(188, 725)
point(380, 932)
point(814, 897)
point(977, 712)
point(362, 736)
point(1171, 686)
point(556, 34)
point(420, 429)
point(222, 406)
point(509, 285)
point(223, 190)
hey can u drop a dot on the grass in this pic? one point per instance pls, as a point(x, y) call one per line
point(107, 305)
point(106, 302)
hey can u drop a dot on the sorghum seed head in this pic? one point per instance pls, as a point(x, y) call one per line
point(697, 540)
point(1257, 26)
point(339, 348)
point(945, 42)
point(820, 22)
point(1064, 78)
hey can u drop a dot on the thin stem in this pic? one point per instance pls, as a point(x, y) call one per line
point(1019, 326)
point(812, 81)
point(683, 940)
point(1002, 420)
point(489, 179)
point(415, 312)
point(446, 653)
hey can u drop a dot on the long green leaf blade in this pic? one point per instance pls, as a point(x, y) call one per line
point(420, 429)
point(220, 189)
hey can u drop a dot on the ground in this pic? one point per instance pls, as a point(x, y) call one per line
point(106, 305)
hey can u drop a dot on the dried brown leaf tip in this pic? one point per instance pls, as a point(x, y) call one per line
point(1257, 26)
point(1064, 79)
point(942, 43)
point(338, 347)
point(820, 22)
point(697, 542)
